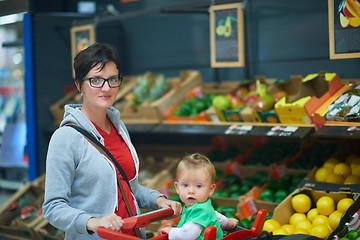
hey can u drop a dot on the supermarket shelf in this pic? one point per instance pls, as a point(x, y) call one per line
point(340, 130)
point(223, 128)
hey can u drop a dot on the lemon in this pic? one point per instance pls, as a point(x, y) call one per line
point(351, 157)
point(355, 170)
point(300, 231)
point(320, 219)
point(330, 163)
point(304, 224)
point(352, 179)
point(311, 214)
point(297, 217)
point(289, 228)
point(334, 178)
point(301, 203)
point(334, 219)
point(342, 169)
point(280, 231)
point(271, 225)
point(322, 173)
point(325, 205)
point(320, 231)
point(344, 204)
point(355, 162)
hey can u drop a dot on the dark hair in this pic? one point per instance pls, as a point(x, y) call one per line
point(97, 53)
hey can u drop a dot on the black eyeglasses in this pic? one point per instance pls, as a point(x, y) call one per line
point(97, 82)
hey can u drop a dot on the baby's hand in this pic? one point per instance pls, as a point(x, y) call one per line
point(166, 229)
point(232, 223)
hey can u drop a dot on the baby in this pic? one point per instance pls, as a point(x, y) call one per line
point(195, 184)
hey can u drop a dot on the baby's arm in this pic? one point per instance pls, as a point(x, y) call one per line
point(226, 223)
point(191, 230)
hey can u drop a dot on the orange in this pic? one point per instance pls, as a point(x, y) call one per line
point(311, 214)
point(271, 225)
point(301, 203)
point(342, 169)
point(344, 204)
point(334, 178)
point(322, 173)
point(304, 224)
point(352, 179)
point(334, 219)
point(320, 231)
point(289, 228)
point(320, 219)
point(296, 217)
point(325, 205)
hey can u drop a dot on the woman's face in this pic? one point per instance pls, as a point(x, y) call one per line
point(105, 96)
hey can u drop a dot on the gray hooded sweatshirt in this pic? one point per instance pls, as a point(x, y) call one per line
point(80, 182)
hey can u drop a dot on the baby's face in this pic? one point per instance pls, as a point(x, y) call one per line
point(194, 186)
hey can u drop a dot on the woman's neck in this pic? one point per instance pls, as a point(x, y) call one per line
point(98, 117)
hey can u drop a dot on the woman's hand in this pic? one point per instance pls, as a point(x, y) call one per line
point(166, 203)
point(111, 221)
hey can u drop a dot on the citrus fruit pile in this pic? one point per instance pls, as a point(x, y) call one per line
point(318, 219)
point(338, 172)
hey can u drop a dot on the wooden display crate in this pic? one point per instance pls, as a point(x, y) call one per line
point(57, 109)
point(155, 111)
point(22, 212)
point(205, 88)
point(45, 231)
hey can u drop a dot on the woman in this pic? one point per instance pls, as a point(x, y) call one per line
point(81, 190)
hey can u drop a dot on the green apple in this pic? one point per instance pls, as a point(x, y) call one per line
point(221, 102)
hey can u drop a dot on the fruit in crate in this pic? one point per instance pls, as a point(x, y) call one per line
point(264, 101)
point(193, 106)
point(236, 102)
point(221, 102)
point(148, 88)
point(339, 172)
point(319, 221)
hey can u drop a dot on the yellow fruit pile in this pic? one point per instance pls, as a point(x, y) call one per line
point(319, 221)
point(335, 171)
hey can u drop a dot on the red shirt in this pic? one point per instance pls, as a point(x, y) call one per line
point(116, 145)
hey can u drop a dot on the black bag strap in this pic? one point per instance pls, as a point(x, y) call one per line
point(96, 142)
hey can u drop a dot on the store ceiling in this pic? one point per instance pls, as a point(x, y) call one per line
point(13, 6)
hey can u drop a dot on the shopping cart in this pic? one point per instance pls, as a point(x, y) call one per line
point(210, 232)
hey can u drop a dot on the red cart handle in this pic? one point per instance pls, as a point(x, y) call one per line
point(138, 221)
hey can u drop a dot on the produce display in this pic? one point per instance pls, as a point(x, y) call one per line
point(346, 108)
point(340, 172)
point(316, 217)
point(148, 87)
point(249, 103)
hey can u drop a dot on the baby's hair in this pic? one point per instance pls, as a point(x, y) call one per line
point(196, 160)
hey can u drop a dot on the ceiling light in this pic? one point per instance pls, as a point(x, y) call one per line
point(12, 18)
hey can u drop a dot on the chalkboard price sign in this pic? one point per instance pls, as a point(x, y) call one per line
point(227, 35)
point(344, 29)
